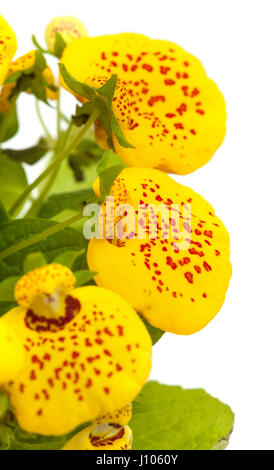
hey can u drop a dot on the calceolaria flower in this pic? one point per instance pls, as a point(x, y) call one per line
point(39, 78)
point(108, 432)
point(174, 270)
point(8, 46)
point(68, 27)
point(87, 353)
point(25, 64)
point(176, 113)
point(13, 360)
point(107, 436)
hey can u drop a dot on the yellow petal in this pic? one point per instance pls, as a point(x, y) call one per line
point(87, 354)
point(8, 46)
point(43, 280)
point(122, 416)
point(68, 27)
point(25, 62)
point(177, 113)
point(11, 353)
point(176, 290)
point(101, 437)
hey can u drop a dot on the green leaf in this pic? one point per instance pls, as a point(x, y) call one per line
point(108, 89)
point(74, 200)
point(16, 231)
point(77, 87)
point(9, 123)
point(3, 214)
point(6, 306)
point(39, 61)
point(29, 155)
point(83, 277)
point(4, 404)
point(59, 45)
point(107, 178)
point(12, 180)
point(13, 77)
point(80, 263)
point(33, 261)
point(38, 88)
point(171, 418)
point(65, 181)
point(68, 258)
point(35, 42)
point(154, 332)
point(119, 134)
point(7, 287)
point(86, 154)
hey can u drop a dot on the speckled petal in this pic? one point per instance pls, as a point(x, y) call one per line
point(101, 437)
point(43, 280)
point(175, 290)
point(68, 27)
point(27, 61)
point(11, 353)
point(87, 354)
point(8, 46)
point(177, 114)
point(122, 416)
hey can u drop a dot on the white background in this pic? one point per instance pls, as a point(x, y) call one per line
point(233, 357)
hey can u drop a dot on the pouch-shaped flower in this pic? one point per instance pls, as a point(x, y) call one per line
point(173, 266)
point(87, 353)
point(177, 114)
point(8, 46)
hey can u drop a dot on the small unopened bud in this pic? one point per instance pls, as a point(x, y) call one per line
point(68, 27)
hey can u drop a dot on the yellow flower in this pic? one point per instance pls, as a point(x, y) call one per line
point(23, 63)
point(87, 353)
point(107, 436)
point(176, 288)
point(13, 358)
point(177, 114)
point(122, 416)
point(68, 27)
point(107, 432)
point(8, 46)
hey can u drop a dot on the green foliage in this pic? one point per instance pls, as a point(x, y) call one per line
point(3, 213)
point(30, 155)
point(171, 418)
point(7, 288)
point(75, 200)
point(9, 122)
point(85, 155)
point(84, 277)
point(59, 45)
point(99, 100)
point(33, 261)
point(107, 178)
point(12, 180)
point(154, 332)
point(31, 79)
point(16, 231)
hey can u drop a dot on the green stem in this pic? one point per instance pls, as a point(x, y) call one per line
point(58, 123)
point(51, 179)
point(59, 158)
point(42, 122)
point(40, 236)
point(38, 202)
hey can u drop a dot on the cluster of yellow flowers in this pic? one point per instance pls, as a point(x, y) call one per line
point(73, 355)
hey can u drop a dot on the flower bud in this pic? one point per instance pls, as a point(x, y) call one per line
point(68, 27)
